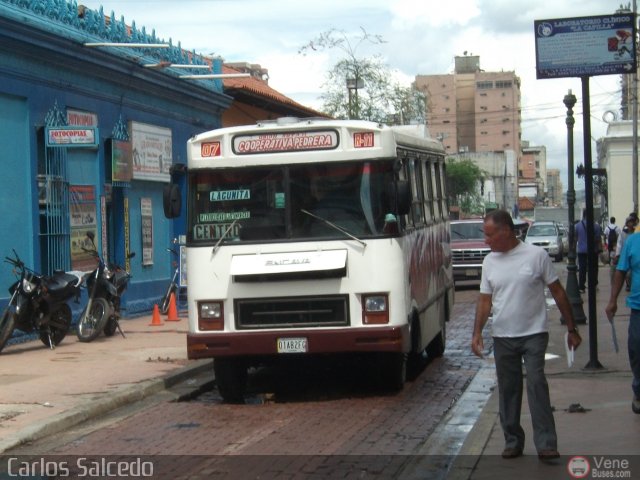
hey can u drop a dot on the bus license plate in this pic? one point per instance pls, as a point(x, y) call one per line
point(292, 345)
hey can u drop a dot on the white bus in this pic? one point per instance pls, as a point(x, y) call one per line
point(316, 237)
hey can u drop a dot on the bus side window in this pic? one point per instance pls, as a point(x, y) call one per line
point(407, 220)
point(437, 180)
point(417, 210)
point(428, 190)
point(445, 196)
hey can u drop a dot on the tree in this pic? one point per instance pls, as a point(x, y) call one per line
point(463, 180)
point(363, 87)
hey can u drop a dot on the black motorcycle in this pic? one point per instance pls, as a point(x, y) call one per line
point(38, 303)
point(105, 285)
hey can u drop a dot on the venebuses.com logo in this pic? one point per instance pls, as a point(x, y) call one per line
point(578, 467)
point(599, 467)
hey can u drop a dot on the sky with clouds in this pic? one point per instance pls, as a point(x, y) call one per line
point(422, 37)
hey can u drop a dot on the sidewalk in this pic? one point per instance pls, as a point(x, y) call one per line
point(607, 428)
point(45, 391)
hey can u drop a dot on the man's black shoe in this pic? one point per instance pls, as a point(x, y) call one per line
point(511, 452)
point(548, 455)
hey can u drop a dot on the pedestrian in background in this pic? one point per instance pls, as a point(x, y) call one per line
point(628, 229)
point(514, 276)
point(583, 253)
point(611, 235)
point(629, 261)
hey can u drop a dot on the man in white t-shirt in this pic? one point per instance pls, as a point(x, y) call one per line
point(514, 276)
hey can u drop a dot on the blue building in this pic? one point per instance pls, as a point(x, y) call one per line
point(89, 136)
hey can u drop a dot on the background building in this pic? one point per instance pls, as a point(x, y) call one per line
point(472, 110)
point(532, 171)
point(615, 152)
point(553, 194)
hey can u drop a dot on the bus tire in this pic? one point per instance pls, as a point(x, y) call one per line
point(231, 378)
point(437, 346)
point(418, 358)
point(393, 370)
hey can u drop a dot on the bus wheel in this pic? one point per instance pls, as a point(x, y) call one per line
point(393, 370)
point(436, 346)
point(231, 379)
point(418, 359)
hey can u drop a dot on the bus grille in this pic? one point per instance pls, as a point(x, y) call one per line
point(292, 312)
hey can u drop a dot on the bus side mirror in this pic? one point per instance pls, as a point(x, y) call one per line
point(403, 197)
point(171, 200)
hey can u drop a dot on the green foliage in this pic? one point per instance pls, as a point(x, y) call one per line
point(380, 98)
point(463, 180)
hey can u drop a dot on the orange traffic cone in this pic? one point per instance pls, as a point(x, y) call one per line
point(172, 314)
point(155, 320)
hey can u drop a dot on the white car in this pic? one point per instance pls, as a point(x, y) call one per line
point(549, 236)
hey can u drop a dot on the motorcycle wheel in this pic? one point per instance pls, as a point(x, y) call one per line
point(164, 304)
point(93, 322)
point(59, 324)
point(6, 325)
point(111, 327)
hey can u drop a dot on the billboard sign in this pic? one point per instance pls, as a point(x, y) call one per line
point(585, 46)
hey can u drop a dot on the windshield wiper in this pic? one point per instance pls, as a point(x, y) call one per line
point(215, 247)
point(333, 225)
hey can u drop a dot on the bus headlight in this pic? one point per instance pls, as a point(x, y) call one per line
point(375, 309)
point(211, 315)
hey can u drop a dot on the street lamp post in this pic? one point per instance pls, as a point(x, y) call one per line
point(572, 280)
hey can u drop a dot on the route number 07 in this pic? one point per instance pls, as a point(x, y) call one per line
point(210, 149)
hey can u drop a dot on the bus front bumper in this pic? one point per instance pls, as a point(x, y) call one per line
point(375, 339)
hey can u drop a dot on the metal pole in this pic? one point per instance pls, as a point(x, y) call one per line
point(572, 280)
point(634, 113)
point(592, 257)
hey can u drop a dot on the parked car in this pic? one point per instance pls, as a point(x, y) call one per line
point(565, 238)
point(468, 249)
point(547, 235)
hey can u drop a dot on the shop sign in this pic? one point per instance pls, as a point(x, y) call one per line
point(79, 118)
point(151, 152)
point(71, 137)
point(146, 214)
point(82, 219)
point(121, 161)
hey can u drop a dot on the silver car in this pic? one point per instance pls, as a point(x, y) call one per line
point(548, 235)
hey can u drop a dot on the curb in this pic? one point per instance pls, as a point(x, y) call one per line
point(465, 462)
point(461, 434)
point(104, 404)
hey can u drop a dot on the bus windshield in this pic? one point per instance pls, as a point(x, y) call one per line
point(270, 203)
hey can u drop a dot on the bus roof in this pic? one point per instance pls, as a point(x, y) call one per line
point(305, 140)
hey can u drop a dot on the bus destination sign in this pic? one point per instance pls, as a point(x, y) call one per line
point(285, 142)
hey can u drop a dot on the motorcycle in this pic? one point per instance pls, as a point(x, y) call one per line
point(106, 285)
point(39, 303)
point(173, 286)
